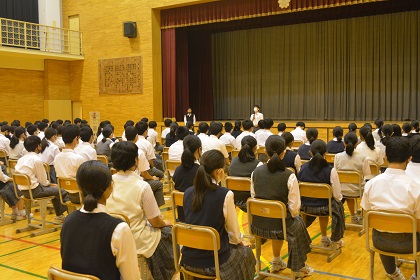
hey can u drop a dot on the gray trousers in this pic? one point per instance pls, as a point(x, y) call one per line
point(42, 191)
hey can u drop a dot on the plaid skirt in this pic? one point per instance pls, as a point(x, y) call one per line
point(161, 263)
point(239, 266)
point(338, 220)
point(298, 241)
point(7, 192)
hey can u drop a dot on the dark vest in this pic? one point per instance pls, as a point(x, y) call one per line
point(240, 169)
point(289, 159)
point(271, 186)
point(190, 118)
point(211, 214)
point(303, 151)
point(86, 244)
point(306, 175)
point(335, 147)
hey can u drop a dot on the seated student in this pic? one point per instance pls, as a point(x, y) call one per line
point(248, 127)
point(273, 181)
point(378, 123)
point(185, 173)
point(203, 129)
point(265, 132)
point(380, 194)
point(367, 147)
point(259, 128)
point(208, 204)
point(103, 147)
point(16, 143)
point(176, 149)
point(351, 159)
point(336, 145)
point(406, 129)
point(93, 242)
point(190, 127)
point(143, 167)
point(413, 167)
point(77, 121)
point(49, 151)
point(167, 123)
point(7, 192)
point(85, 148)
point(153, 136)
point(237, 129)
point(214, 143)
point(281, 128)
point(227, 138)
point(59, 141)
point(171, 137)
point(415, 126)
point(127, 124)
point(42, 126)
point(4, 141)
point(101, 126)
point(305, 148)
point(352, 127)
point(299, 133)
point(242, 166)
point(68, 161)
point(134, 198)
point(396, 128)
point(32, 130)
point(385, 133)
point(291, 158)
point(319, 171)
point(31, 165)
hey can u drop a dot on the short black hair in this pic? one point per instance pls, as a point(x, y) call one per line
point(189, 125)
point(31, 129)
point(228, 126)
point(181, 132)
point(144, 120)
point(203, 127)
point(5, 128)
point(124, 155)
point(406, 127)
point(258, 106)
point(398, 149)
point(288, 138)
point(31, 143)
point(247, 124)
point(352, 127)
point(152, 124)
point(268, 123)
point(45, 121)
point(167, 122)
point(415, 146)
point(379, 122)
point(261, 124)
point(130, 133)
point(70, 132)
point(42, 126)
point(86, 133)
point(16, 123)
point(60, 121)
point(128, 123)
point(27, 124)
point(302, 124)
point(84, 122)
point(66, 122)
point(141, 127)
point(281, 127)
point(77, 120)
point(216, 128)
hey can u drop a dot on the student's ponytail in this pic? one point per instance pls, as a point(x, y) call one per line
point(275, 145)
point(15, 139)
point(90, 203)
point(275, 163)
point(386, 132)
point(191, 144)
point(366, 133)
point(49, 133)
point(338, 133)
point(187, 159)
point(44, 144)
point(350, 140)
point(246, 154)
point(312, 134)
point(318, 162)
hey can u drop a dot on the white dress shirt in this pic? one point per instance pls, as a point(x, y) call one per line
point(214, 143)
point(146, 147)
point(99, 138)
point(228, 139)
point(41, 134)
point(165, 132)
point(123, 136)
point(373, 156)
point(31, 165)
point(67, 163)
point(262, 136)
point(375, 135)
point(238, 139)
point(49, 154)
point(392, 190)
point(122, 247)
point(17, 152)
point(86, 151)
point(413, 171)
point(175, 150)
point(4, 143)
point(202, 137)
point(299, 134)
point(142, 163)
point(185, 119)
point(298, 162)
point(255, 118)
point(59, 142)
point(152, 137)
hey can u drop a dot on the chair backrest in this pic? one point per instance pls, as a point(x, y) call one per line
point(165, 149)
point(47, 170)
point(330, 158)
point(303, 161)
point(385, 164)
point(171, 165)
point(229, 148)
point(113, 170)
point(234, 153)
point(375, 169)
point(120, 216)
point(177, 200)
point(261, 150)
point(3, 156)
point(12, 164)
point(296, 144)
point(69, 185)
point(350, 177)
point(165, 156)
point(242, 184)
point(291, 169)
point(267, 209)
point(316, 190)
point(103, 158)
point(21, 179)
point(61, 274)
point(197, 237)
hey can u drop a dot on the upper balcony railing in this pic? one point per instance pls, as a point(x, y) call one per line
point(44, 38)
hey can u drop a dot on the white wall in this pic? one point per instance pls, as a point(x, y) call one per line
point(50, 14)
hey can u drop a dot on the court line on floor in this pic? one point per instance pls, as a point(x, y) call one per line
point(24, 249)
point(23, 271)
point(10, 240)
point(30, 242)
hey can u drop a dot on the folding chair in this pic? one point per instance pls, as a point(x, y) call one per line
point(391, 222)
point(177, 200)
point(240, 184)
point(4, 157)
point(261, 154)
point(321, 191)
point(234, 153)
point(267, 209)
point(70, 186)
point(353, 177)
point(229, 148)
point(296, 144)
point(113, 171)
point(104, 159)
point(165, 149)
point(171, 165)
point(375, 169)
point(61, 274)
point(24, 180)
point(330, 158)
point(291, 169)
point(12, 164)
point(197, 237)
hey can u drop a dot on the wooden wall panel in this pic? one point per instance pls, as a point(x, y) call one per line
point(22, 95)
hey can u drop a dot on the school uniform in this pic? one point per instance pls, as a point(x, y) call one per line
point(59, 142)
point(202, 137)
point(373, 156)
point(228, 139)
point(48, 156)
point(299, 134)
point(375, 135)
point(152, 137)
point(169, 140)
point(104, 148)
point(413, 171)
point(282, 186)
point(97, 244)
point(292, 159)
point(214, 143)
point(316, 206)
point(255, 118)
point(134, 198)
point(7, 190)
point(189, 118)
point(218, 211)
point(17, 151)
point(262, 136)
point(335, 147)
point(41, 135)
point(4, 143)
point(240, 137)
point(175, 150)
point(165, 132)
point(304, 151)
point(86, 151)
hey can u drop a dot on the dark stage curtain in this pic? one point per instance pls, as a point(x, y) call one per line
point(168, 73)
point(23, 10)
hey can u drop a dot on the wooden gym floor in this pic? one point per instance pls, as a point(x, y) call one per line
point(24, 257)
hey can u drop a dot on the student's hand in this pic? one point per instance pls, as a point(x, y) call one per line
point(155, 178)
point(53, 185)
point(245, 243)
point(10, 180)
point(1, 163)
point(167, 223)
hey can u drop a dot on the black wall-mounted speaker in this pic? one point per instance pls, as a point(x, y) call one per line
point(130, 29)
